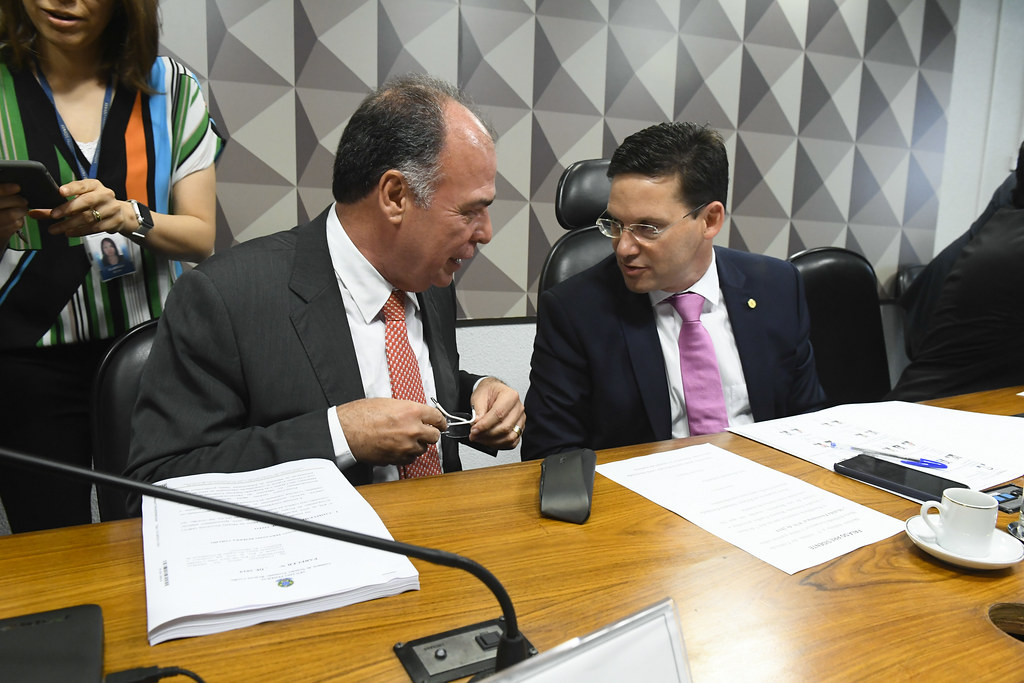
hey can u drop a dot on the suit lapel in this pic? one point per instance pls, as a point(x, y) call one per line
point(444, 378)
point(640, 334)
point(746, 328)
point(318, 315)
point(432, 303)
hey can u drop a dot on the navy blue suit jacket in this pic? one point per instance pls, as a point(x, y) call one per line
point(597, 377)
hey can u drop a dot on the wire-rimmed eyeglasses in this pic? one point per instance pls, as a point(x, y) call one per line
point(459, 424)
point(613, 227)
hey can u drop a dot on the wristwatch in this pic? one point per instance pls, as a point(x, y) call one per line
point(145, 219)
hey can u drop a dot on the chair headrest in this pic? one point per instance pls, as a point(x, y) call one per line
point(582, 194)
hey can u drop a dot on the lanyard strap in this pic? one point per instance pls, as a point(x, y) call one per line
point(68, 140)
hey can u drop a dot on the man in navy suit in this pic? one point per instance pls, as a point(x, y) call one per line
point(606, 360)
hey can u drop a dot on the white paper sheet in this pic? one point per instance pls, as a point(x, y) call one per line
point(782, 520)
point(208, 572)
point(978, 450)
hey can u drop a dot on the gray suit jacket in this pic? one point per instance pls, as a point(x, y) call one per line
point(252, 350)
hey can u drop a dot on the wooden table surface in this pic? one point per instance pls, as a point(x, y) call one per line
point(885, 611)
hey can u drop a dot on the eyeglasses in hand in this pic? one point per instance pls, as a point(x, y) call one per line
point(459, 424)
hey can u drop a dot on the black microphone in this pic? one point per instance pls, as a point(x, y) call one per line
point(512, 646)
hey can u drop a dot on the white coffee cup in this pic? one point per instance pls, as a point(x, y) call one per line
point(965, 523)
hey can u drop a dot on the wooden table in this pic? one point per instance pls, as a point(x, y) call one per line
point(884, 611)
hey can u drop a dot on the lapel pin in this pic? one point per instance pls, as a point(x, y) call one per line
point(751, 303)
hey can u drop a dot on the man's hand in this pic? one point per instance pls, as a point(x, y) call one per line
point(387, 431)
point(501, 417)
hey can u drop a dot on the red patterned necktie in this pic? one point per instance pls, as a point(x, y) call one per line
point(702, 383)
point(406, 383)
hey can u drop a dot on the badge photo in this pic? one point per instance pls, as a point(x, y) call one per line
point(110, 255)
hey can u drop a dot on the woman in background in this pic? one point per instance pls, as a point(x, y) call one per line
point(129, 139)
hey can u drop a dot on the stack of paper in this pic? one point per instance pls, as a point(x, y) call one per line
point(208, 572)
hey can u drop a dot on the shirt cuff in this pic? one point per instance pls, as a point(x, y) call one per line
point(342, 453)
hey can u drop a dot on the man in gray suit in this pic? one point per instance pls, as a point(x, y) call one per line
point(275, 349)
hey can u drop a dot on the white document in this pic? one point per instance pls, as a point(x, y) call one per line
point(784, 521)
point(208, 572)
point(979, 450)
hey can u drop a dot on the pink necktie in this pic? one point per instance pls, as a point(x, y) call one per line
point(406, 382)
point(702, 384)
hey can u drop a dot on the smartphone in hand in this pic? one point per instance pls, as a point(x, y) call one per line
point(37, 186)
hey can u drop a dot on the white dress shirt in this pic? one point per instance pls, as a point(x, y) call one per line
point(364, 292)
point(715, 319)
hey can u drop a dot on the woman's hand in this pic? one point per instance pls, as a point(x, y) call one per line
point(13, 209)
point(93, 208)
point(188, 234)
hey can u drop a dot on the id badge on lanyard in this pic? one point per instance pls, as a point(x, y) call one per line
point(110, 253)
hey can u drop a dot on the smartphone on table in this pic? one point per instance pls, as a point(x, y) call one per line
point(37, 185)
point(1008, 496)
point(904, 480)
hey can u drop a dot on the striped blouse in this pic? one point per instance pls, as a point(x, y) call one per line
point(49, 294)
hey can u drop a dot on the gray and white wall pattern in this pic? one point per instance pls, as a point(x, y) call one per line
point(834, 111)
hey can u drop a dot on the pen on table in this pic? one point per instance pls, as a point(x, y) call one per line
point(920, 462)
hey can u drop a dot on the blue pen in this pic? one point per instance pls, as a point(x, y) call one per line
point(916, 462)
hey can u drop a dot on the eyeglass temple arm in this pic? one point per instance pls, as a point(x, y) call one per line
point(452, 418)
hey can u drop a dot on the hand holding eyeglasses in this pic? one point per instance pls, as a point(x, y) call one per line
point(500, 416)
point(388, 431)
point(459, 424)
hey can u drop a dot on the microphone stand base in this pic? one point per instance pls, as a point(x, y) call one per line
point(455, 654)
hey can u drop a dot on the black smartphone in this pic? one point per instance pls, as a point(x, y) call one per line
point(909, 481)
point(37, 186)
point(1008, 497)
point(59, 645)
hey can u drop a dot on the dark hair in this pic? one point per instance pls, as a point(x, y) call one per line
point(1018, 191)
point(696, 154)
point(130, 40)
point(117, 252)
point(399, 126)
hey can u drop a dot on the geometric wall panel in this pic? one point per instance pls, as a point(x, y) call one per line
point(834, 111)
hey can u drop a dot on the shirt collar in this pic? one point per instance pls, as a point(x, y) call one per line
point(367, 287)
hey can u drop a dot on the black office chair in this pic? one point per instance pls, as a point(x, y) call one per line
point(115, 389)
point(846, 324)
point(905, 277)
point(580, 199)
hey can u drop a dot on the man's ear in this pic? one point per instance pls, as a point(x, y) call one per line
point(714, 219)
point(393, 195)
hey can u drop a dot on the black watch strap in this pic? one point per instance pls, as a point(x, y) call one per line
point(144, 217)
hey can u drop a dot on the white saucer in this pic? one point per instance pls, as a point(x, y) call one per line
point(1005, 551)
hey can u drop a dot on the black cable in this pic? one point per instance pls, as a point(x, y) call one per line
point(150, 674)
point(513, 646)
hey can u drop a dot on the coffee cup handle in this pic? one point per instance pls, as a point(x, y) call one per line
point(925, 508)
